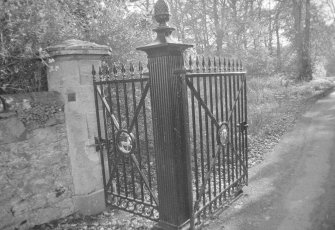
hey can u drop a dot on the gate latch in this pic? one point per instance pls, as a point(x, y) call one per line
point(243, 126)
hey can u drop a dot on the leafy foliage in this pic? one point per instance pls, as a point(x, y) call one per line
point(263, 33)
point(29, 26)
point(268, 35)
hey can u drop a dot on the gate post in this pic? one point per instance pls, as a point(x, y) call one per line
point(170, 123)
point(71, 75)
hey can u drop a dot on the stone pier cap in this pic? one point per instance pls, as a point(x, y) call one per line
point(78, 47)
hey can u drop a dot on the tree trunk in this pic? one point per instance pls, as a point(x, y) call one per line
point(306, 73)
point(270, 32)
point(218, 29)
point(195, 32)
point(204, 22)
point(298, 36)
point(302, 39)
point(277, 25)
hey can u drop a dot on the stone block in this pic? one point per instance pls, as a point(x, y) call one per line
point(11, 130)
point(6, 218)
point(79, 49)
point(76, 127)
point(86, 176)
point(85, 68)
point(40, 136)
point(65, 74)
point(92, 129)
point(66, 206)
point(20, 208)
point(10, 222)
point(40, 216)
point(90, 204)
point(34, 172)
point(85, 163)
point(85, 96)
point(50, 97)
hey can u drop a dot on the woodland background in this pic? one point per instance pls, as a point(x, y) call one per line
point(292, 38)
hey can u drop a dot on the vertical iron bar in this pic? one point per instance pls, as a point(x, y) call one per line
point(239, 122)
point(222, 119)
point(235, 126)
point(125, 96)
point(243, 132)
point(195, 155)
point(201, 142)
point(105, 123)
point(219, 152)
point(108, 147)
point(207, 141)
point(147, 141)
point(120, 122)
point(126, 104)
point(212, 135)
point(231, 134)
point(246, 122)
point(138, 149)
point(183, 98)
point(228, 144)
point(232, 126)
point(113, 138)
point(99, 136)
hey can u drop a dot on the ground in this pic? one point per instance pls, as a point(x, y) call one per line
point(294, 188)
point(261, 146)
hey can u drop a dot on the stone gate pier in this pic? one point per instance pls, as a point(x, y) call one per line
point(71, 75)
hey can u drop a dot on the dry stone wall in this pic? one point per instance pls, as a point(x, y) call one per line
point(35, 177)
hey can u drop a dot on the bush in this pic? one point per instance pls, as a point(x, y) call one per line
point(27, 27)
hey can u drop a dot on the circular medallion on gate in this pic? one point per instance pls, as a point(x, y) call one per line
point(222, 133)
point(125, 141)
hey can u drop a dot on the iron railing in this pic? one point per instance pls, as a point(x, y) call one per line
point(125, 139)
point(217, 118)
point(218, 132)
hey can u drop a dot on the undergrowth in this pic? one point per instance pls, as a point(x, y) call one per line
point(267, 97)
point(274, 105)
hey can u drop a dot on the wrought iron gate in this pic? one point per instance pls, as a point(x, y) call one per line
point(217, 118)
point(125, 139)
point(198, 120)
point(217, 104)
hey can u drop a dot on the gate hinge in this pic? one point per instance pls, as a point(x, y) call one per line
point(243, 126)
point(99, 144)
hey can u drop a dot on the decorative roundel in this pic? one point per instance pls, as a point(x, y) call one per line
point(222, 133)
point(125, 141)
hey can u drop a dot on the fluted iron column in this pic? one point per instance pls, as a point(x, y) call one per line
point(170, 123)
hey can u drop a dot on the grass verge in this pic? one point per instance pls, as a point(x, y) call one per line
point(274, 105)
